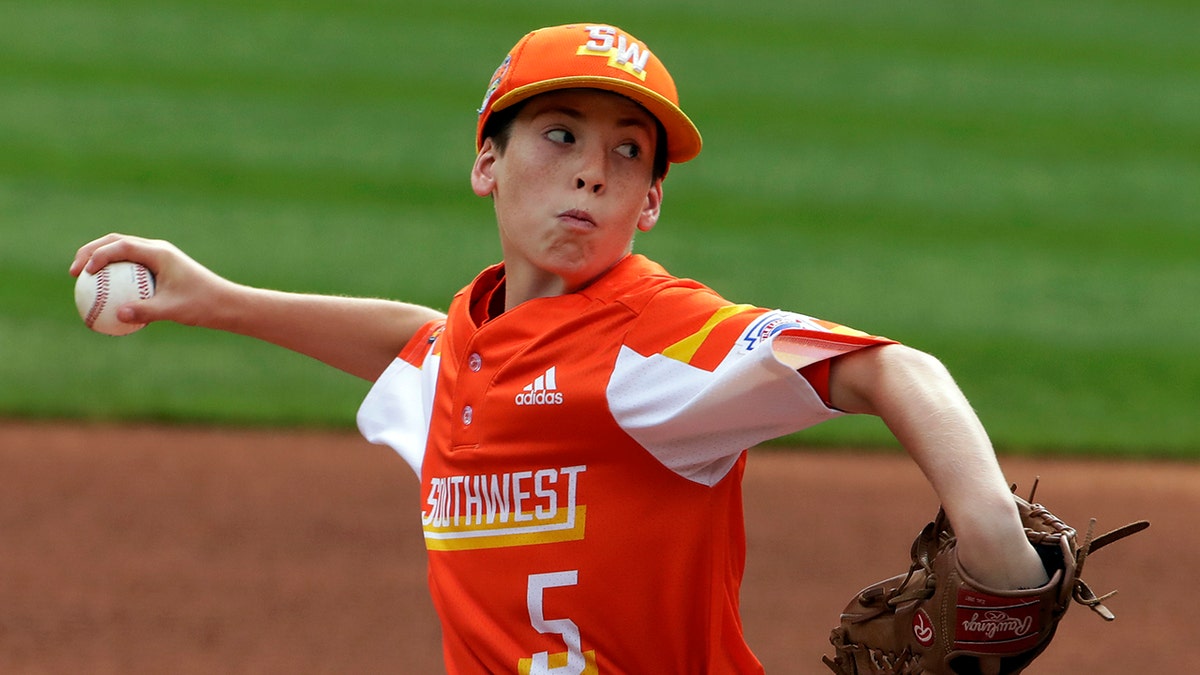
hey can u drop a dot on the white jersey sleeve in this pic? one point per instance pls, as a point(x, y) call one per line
point(397, 410)
point(697, 420)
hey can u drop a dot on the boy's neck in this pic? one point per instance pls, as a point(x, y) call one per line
point(522, 285)
point(520, 288)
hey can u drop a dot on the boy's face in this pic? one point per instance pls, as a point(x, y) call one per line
point(572, 185)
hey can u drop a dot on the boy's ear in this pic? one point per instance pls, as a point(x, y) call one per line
point(483, 176)
point(652, 208)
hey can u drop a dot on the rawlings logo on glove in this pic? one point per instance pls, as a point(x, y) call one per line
point(1005, 622)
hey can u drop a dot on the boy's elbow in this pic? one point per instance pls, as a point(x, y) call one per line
point(913, 363)
point(861, 381)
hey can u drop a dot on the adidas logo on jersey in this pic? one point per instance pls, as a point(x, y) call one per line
point(542, 391)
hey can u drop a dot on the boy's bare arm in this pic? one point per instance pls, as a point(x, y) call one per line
point(360, 336)
point(924, 408)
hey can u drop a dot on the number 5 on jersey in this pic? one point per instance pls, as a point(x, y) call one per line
point(574, 661)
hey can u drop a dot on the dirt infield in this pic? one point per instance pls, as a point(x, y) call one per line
point(151, 550)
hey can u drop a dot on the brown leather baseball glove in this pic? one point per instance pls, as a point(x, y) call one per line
point(935, 619)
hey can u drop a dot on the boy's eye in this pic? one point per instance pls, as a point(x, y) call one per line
point(560, 136)
point(630, 150)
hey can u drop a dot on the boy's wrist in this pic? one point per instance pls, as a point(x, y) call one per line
point(995, 551)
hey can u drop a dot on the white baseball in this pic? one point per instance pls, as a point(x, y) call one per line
point(97, 296)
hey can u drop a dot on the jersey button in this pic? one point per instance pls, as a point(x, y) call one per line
point(467, 414)
point(475, 362)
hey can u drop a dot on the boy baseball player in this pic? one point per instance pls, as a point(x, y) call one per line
point(579, 418)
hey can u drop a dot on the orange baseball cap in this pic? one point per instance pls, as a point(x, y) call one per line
point(591, 56)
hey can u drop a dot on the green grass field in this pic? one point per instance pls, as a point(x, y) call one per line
point(1013, 186)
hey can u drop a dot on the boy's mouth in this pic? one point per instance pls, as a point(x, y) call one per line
point(577, 218)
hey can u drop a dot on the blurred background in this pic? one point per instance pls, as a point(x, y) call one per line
point(1013, 186)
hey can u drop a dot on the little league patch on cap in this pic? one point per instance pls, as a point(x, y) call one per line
point(591, 56)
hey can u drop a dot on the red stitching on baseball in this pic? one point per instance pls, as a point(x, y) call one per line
point(143, 282)
point(101, 297)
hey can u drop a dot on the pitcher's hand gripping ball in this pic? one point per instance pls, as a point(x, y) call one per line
point(97, 296)
point(935, 619)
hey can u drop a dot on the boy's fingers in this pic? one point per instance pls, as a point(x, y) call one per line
point(86, 252)
point(94, 255)
point(138, 311)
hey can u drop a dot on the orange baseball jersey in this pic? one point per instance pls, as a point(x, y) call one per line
point(580, 459)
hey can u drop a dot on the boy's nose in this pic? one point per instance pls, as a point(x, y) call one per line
point(590, 174)
point(594, 186)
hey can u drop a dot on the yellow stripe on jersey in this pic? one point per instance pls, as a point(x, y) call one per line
point(839, 329)
point(569, 525)
point(560, 660)
point(686, 348)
